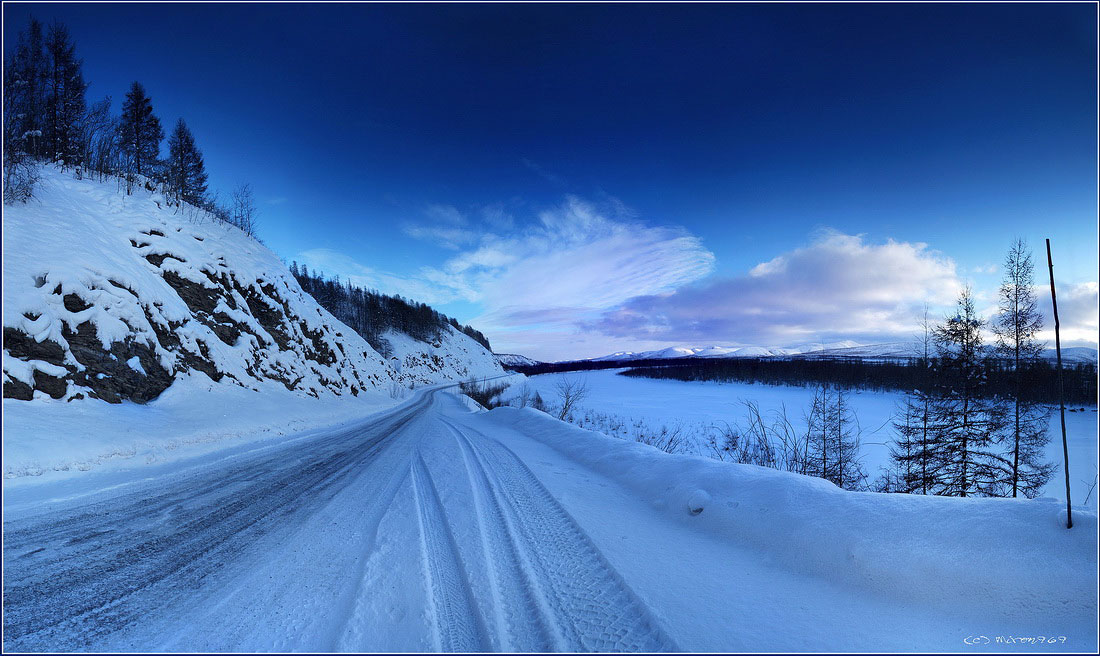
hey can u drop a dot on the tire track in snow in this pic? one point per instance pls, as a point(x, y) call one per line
point(521, 623)
point(590, 607)
point(458, 626)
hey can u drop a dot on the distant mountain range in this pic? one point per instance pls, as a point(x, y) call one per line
point(842, 349)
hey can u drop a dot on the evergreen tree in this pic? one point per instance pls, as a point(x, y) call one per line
point(25, 93)
point(24, 109)
point(65, 104)
point(185, 171)
point(915, 455)
point(833, 442)
point(1016, 325)
point(140, 135)
point(968, 423)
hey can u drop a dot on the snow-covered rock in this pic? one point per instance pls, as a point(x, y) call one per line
point(117, 297)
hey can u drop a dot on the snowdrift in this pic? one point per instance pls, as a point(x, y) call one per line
point(1002, 553)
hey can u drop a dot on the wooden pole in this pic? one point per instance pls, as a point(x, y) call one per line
point(1061, 395)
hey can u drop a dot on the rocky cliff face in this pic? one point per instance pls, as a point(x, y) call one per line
point(115, 297)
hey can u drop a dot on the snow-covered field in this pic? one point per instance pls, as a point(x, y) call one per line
point(697, 407)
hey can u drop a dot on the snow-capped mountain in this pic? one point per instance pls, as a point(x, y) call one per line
point(724, 352)
point(842, 349)
point(119, 297)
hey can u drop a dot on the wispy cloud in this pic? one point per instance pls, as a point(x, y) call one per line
point(572, 262)
point(444, 226)
point(498, 217)
point(585, 278)
point(550, 177)
point(446, 237)
point(559, 270)
point(447, 214)
point(335, 263)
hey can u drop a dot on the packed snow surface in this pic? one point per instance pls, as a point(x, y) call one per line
point(428, 527)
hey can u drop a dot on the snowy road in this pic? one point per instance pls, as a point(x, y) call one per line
point(431, 528)
point(408, 531)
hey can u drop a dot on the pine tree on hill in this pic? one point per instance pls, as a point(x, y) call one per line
point(25, 93)
point(185, 171)
point(65, 104)
point(24, 114)
point(140, 134)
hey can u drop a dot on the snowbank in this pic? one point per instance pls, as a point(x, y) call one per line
point(998, 553)
point(50, 439)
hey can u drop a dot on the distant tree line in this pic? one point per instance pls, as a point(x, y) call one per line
point(371, 313)
point(1038, 377)
point(47, 121)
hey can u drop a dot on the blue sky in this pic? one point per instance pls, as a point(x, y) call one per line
point(575, 179)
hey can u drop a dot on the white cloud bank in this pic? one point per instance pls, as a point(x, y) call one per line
point(838, 287)
point(1078, 312)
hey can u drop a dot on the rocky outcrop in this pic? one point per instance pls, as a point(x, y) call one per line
point(118, 298)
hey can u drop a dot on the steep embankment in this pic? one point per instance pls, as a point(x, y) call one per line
point(115, 297)
point(118, 297)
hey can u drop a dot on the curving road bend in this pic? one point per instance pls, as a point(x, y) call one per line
point(411, 531)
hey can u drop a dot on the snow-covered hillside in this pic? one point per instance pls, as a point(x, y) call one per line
point(515, 360)
point(118, 297)
point(453, 356)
